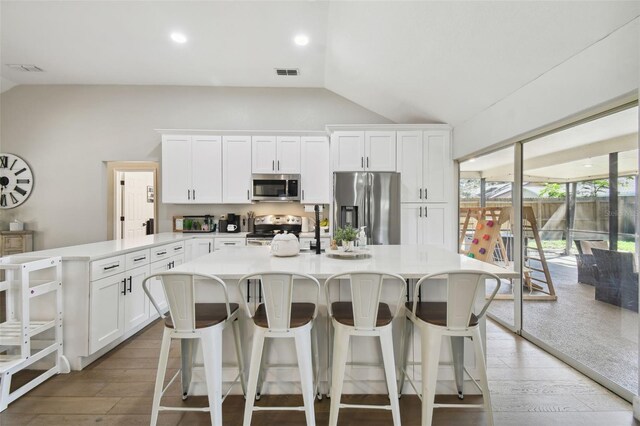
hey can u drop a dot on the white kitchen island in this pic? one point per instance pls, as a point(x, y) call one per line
point(411, 262)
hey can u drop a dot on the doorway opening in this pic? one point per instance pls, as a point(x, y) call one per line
point(132, 207)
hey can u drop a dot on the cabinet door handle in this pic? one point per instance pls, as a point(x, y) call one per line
point(278, 165)
point(247, 194)
point(194, 194)
point(420, 211)
point(273, 164)
point(209, 247)
point(124, 287)
point(130, 279)
point(362, 162)
point(303, 194)
point(188, 194)
point(426, 194)
point(421, 193)
point(367, 162)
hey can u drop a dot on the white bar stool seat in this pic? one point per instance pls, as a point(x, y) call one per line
point(202, 322)
point(277, 318)
point(363, 315)
point(454, 318)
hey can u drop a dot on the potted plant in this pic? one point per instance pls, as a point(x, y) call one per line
point(347, 235)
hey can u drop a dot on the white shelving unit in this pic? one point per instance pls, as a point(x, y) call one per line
point(31, 336)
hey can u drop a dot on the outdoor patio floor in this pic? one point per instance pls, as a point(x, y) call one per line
point(599, 335)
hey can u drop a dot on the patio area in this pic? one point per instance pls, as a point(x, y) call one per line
point(599, 335)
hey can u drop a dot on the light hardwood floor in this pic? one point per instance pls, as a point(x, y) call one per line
point(529, 387)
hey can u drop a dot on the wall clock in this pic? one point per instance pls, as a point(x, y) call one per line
point(16, 181)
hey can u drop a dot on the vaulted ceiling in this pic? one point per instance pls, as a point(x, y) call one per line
point(414, 61)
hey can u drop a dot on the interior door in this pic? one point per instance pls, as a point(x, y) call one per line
point(138, 207)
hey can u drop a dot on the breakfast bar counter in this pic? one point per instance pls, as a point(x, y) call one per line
point(411, 262)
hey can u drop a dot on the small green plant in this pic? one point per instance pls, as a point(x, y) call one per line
point(186, 224)
point(347, 233)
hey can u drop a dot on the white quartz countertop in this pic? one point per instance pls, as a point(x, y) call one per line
point(408, 261)
point(100, 250)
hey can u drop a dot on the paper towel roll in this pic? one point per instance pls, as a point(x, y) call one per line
point(305, 224)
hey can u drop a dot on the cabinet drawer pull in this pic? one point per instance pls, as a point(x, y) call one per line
point(106, 268)
point(139, 259)
point(229, 244)
point(160, 253)
point(178, 248)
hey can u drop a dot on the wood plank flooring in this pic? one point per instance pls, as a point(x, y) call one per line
point(529, 387)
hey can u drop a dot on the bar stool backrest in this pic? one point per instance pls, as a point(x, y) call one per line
point(366, 289)
point(462, 290)
point(277, 290)
point(179, 289)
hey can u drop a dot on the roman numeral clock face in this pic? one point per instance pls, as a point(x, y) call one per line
point(16, 181)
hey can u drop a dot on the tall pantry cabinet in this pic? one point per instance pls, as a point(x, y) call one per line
point(427, 193)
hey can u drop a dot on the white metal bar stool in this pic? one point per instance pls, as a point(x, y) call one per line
point(279, 317)
point(204, 322)
point(454, 318)
point(363, 315)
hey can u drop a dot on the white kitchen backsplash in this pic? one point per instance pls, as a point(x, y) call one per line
point(168, 211)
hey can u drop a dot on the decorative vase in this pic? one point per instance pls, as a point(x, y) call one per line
point(347, 245)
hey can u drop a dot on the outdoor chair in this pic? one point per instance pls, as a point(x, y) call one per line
point(587, 272)
point(617, 282)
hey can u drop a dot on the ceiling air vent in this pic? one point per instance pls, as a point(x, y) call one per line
point(288, 71)
point(25, 68)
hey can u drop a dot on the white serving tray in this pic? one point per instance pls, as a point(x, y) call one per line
point(355, 253)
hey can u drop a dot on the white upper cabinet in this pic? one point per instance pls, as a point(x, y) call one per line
point(354, 151)
point(263, 154)
point(288, 158)
point(425, 163)
point(236, 169)
point(275, 154)
point(315, 169)
point(380, 151)
point(191, 169)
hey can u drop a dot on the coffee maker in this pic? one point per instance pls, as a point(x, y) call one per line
point(233, 223)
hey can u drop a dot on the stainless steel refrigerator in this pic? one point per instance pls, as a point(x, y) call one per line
point(368, 199)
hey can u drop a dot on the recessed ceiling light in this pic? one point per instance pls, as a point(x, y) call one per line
point(179, 38)
point(471, 160)
point(301, 40)
point(588, 165)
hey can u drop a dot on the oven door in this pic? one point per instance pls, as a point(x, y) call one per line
point(275, 187)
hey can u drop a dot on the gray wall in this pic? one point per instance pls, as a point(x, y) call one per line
point(67, 133)
point(585, 83)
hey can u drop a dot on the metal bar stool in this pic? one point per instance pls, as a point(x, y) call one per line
point(363, 315)
point(189, 320)
point(279, 317)
point(453, 318)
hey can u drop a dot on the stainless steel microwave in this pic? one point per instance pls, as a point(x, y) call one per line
point(275, 187)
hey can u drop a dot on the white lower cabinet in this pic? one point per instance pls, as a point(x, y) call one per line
point(198, 247)
point(136, 305)
point(229, 242)
point(106, 310)
point(165, 264)
point(426, 224)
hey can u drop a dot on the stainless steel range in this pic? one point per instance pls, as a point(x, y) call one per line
point(265, 227)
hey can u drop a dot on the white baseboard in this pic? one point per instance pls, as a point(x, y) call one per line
point(636, 407)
